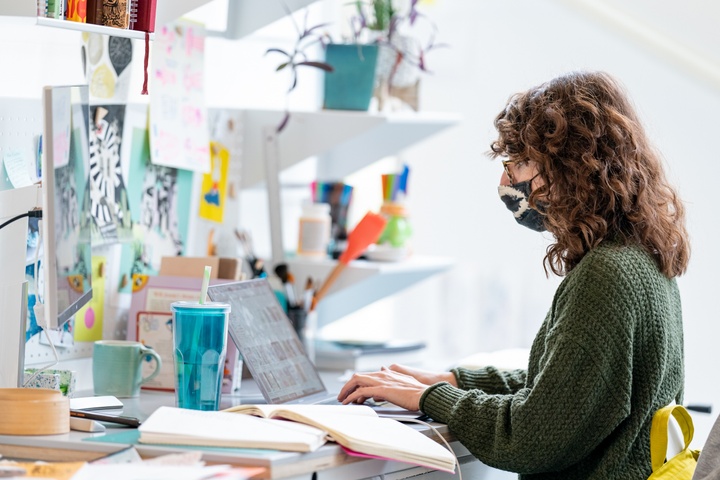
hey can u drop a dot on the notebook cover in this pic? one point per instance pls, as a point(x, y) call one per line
point(94, 12)
point(77, 10)
point(144, 15)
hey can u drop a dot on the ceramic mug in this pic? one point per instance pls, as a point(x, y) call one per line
point(117, 367)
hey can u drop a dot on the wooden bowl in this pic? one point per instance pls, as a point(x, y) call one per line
point(33, 411)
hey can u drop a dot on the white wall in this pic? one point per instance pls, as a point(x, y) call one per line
point(497, 294)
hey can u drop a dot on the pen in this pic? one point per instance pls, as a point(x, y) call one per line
point(101, 417)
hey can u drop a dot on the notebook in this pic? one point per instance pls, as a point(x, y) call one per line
point(269, 345)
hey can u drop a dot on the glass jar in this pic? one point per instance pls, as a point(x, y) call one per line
point(314, 232)
point(398, 231)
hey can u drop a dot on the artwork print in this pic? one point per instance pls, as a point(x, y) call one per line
point(107, 61)
point(109, 205)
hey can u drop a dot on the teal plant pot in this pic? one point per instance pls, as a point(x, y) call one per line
point(350, 85)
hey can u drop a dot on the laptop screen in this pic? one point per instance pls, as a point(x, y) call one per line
point(267, 341)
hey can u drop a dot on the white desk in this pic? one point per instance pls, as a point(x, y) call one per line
point(328, 462)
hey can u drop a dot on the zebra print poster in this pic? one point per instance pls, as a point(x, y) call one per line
point(109, 204)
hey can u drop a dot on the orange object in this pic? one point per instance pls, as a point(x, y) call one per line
point(365, 233)
point(139, 281)
point(77, 10)
point(76, 282)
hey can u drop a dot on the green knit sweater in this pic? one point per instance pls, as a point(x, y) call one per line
point(607, 356)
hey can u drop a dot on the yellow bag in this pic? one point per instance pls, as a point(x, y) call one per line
point(681, 466)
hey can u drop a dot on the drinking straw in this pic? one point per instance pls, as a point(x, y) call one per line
point(205, 283)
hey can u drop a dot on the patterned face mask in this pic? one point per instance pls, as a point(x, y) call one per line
point(515, 197)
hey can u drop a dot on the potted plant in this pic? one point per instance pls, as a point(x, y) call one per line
point(349, 68)
point(380, 36)
point(404, 40)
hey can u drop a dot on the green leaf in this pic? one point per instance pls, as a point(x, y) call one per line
point(321, 65)
point(277, 50)
point(281, 66)
point(283, 123)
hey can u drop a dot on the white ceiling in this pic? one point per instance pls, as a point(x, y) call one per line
point(685, 33)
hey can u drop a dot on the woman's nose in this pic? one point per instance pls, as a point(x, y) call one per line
point(504, 180)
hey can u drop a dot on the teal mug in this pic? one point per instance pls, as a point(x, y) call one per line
point(117, 367)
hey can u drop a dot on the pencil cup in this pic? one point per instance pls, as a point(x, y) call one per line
point(200, 346)
point(305, 324)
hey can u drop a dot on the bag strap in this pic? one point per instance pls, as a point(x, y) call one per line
point(659, 432)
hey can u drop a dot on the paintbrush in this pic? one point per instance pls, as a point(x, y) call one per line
point(365, 233)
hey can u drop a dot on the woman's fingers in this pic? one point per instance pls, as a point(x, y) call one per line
point(356, 381)
point(362, 394)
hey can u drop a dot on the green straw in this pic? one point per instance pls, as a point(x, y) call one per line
point(205, 283)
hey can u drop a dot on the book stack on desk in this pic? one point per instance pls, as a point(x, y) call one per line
point(333, 355)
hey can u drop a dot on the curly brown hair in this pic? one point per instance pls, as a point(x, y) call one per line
point(603, 180)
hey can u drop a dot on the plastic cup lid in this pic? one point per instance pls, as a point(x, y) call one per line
point(201, 306)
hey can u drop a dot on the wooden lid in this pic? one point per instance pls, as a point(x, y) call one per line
point(33, 411)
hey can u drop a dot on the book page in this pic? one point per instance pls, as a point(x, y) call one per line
point(381, 437)
point(291, 411)
point(178, 426)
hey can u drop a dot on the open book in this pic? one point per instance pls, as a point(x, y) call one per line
point(300, 428)
point(358, 429)
point(179, 426)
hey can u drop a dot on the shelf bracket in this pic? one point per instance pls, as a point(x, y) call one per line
point(272, 179)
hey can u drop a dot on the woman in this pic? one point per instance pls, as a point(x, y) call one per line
point(610, 351)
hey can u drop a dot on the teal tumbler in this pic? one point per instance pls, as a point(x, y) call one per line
point(200, 345)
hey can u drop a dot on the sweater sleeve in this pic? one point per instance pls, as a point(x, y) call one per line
point(490, 379)
point(577, 397)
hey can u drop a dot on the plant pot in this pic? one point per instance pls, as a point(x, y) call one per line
point(350, 85)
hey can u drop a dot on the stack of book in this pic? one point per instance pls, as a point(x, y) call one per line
point(125, 14)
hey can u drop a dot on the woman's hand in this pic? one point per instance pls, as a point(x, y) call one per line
point(386, 385)
point(425, 376)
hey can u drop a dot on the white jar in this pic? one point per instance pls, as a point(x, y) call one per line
point(314, 233)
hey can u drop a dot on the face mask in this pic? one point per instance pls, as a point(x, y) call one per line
point(515, 197)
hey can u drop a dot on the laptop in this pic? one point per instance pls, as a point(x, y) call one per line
point(269, 345)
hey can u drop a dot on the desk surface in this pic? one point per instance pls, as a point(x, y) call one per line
point(329, 462)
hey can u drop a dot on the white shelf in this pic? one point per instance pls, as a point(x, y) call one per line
point(345, 141)
point(91, 28)
point(167, 11)
point(363, 282)
point(245, 17)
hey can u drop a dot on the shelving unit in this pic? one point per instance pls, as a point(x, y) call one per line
point(344, 142)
